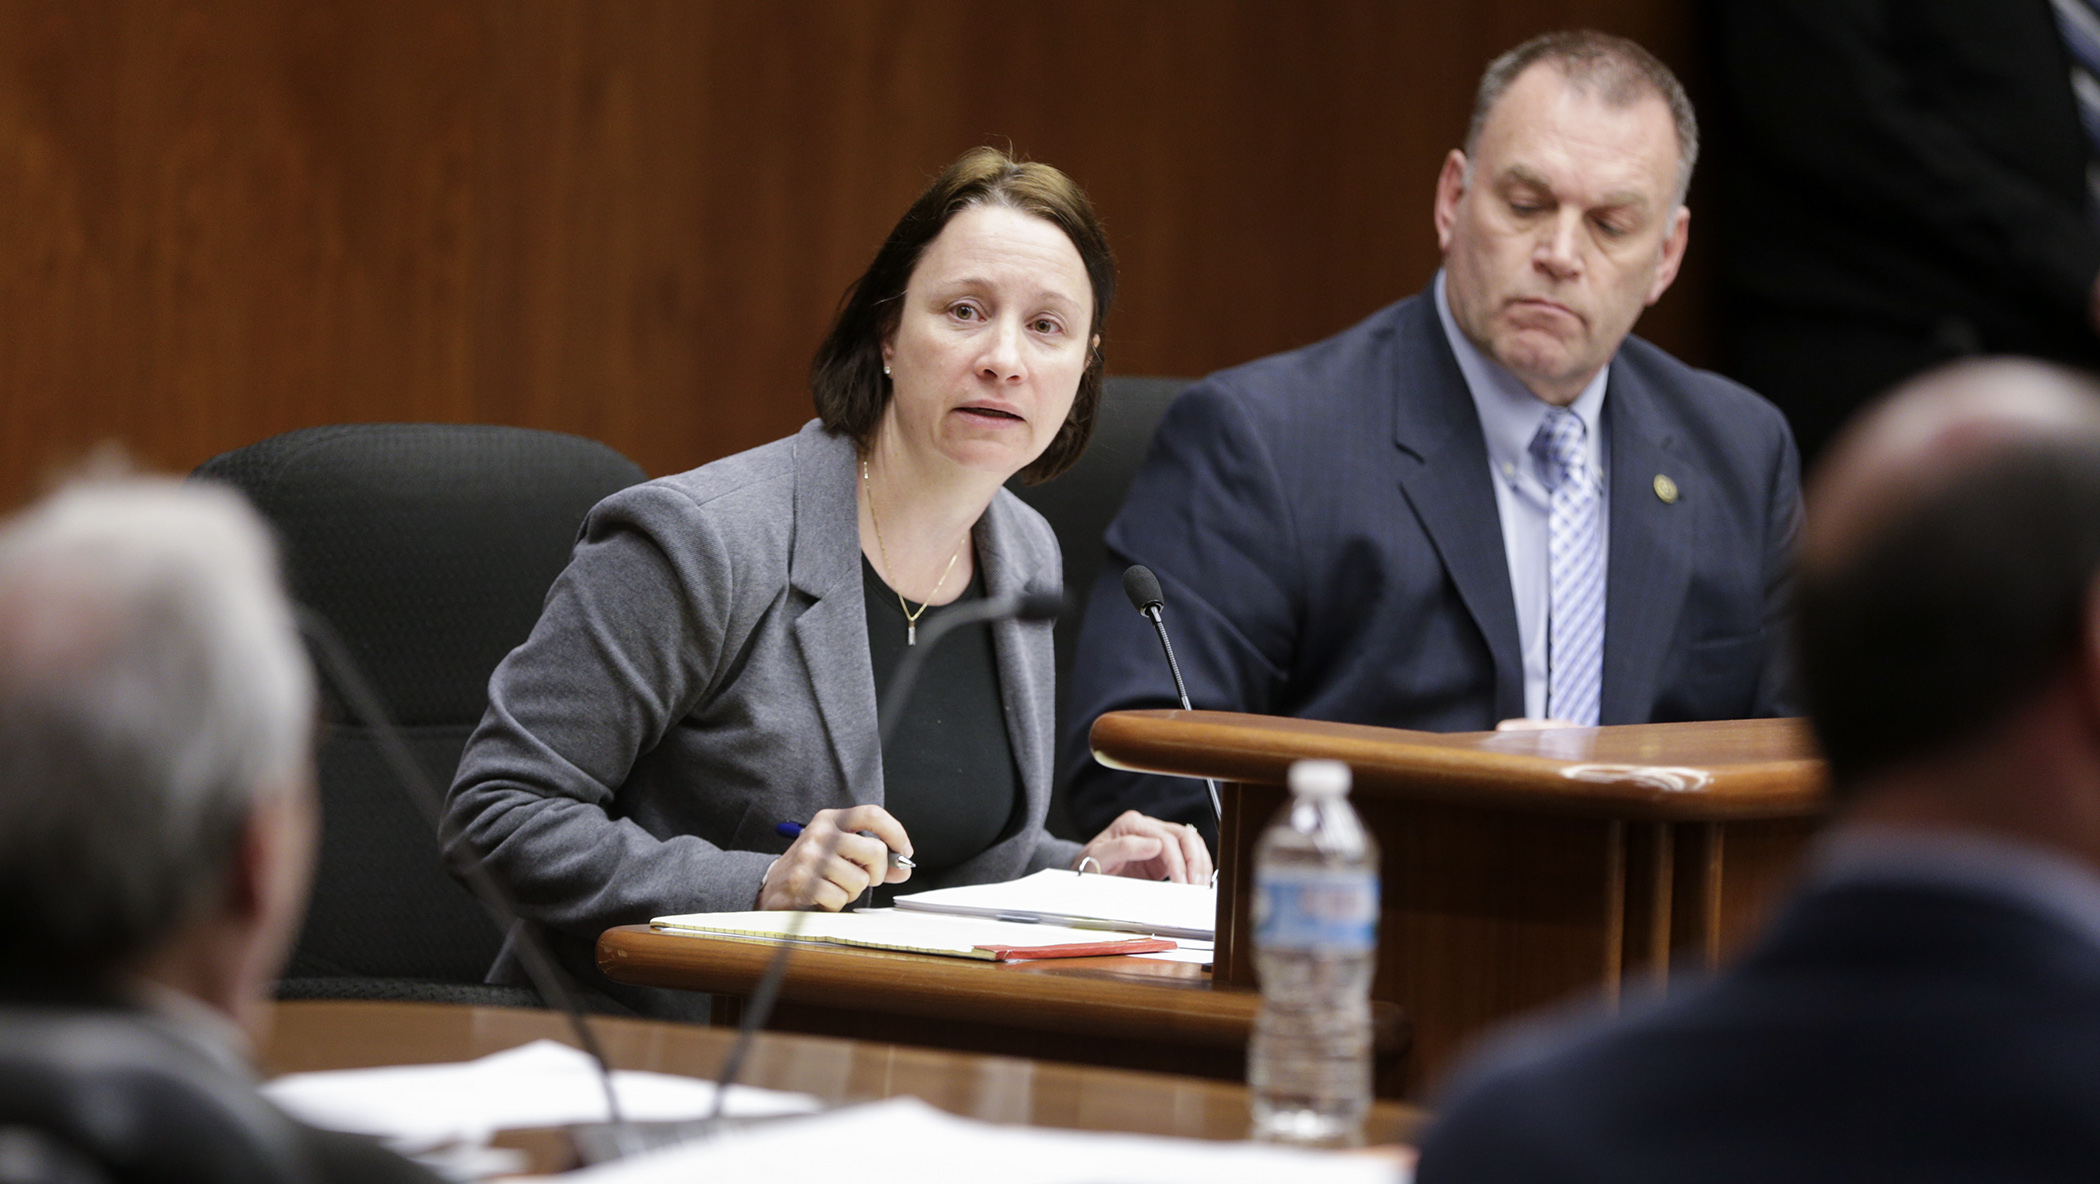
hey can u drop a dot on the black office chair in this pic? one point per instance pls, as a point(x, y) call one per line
point(430, 548)
point(88, 1098)
point(1083, 501)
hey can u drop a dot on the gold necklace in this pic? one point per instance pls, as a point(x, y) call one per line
point(911, 619)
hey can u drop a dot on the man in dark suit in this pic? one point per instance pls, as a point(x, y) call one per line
point(1928, 1008)
point(1486, 503)
point(157, 827)
point(1905, 181)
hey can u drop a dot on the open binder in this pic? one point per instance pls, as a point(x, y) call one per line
point(1082, 901)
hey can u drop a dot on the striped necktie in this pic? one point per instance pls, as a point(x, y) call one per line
point(2080, 22)
point(1575, 551)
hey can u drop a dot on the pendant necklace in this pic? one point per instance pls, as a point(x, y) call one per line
point(911, 618)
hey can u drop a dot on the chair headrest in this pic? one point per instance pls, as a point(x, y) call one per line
point(430, 547)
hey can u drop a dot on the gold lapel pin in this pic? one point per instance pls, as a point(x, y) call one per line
point(1666, 489)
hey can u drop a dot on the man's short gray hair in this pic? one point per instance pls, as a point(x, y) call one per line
point(152, 690)
point(1614, 69)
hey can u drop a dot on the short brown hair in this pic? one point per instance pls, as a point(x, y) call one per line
point(1615, 69)
point(846, 380)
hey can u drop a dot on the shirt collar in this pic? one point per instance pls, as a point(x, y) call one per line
point(202, 1028)
point(2052, 884)
point(1510, 414)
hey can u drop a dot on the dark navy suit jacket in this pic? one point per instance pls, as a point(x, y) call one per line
point(1881, 1032)
point(1324, 527)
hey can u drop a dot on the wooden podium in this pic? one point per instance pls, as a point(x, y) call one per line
point(1518, 867)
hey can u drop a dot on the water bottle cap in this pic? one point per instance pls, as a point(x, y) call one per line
point(1320, 779)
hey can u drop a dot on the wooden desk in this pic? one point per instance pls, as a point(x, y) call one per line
point(346, 1035)
point(1135, 1013)
point(1518, 866)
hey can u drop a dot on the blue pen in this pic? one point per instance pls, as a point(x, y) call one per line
point(792, 830)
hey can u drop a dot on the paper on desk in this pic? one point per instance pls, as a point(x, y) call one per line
point(1201, 953)
point(1118, 902)
point(894, 929)
point(541, 1084)
point(906, 1141)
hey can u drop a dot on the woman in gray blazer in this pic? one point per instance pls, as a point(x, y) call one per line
point(707, 667)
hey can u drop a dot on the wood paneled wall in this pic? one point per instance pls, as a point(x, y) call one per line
point(631, 219)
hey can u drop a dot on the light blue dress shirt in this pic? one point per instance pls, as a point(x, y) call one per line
point(1510, 416)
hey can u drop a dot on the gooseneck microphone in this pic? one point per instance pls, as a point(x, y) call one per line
point(1025, 606)
point(464, 859)
point(1143, 589)
point(1021, 606)
point(619, 1137)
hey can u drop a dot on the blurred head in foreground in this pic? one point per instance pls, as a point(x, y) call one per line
point(1948, 599)
point(157, 817)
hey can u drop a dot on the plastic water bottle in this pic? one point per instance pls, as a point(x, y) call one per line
point(1315, 946)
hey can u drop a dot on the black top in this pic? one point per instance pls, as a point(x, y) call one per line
point(948, 774)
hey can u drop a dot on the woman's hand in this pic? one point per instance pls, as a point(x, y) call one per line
point(1146, 848)
point(830, 864)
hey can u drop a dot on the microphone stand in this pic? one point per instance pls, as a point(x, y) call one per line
point(623, 1138)
point(1157, 617)
point(464, 861)
point(1027, 606)
point(618, 1137)
point(1143, 589)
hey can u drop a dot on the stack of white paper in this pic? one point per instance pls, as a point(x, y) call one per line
point(543, 1084)
point(905, 1141)
point(888, 929)
point(1092, 901)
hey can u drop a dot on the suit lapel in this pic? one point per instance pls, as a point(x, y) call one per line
point(1025, 672)
point(1650, 561)
point(831, 632)
point(1444, 473)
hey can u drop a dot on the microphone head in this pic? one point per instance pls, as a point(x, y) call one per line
point(1040, 606)
point(1142, 587)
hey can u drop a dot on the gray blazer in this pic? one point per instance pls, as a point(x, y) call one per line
point(701, 674)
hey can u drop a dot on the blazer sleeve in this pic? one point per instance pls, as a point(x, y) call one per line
point(1816, 86)
point(1052, 852)
point(632, 635)
point(1208, 514)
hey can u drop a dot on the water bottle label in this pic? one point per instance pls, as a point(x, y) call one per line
point(1316, 908)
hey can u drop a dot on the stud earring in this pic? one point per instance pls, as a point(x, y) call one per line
point(885, 369)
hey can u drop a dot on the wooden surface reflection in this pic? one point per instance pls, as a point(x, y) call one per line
point(341, 1035)
point(1125, 1012)
point(1756, 768)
